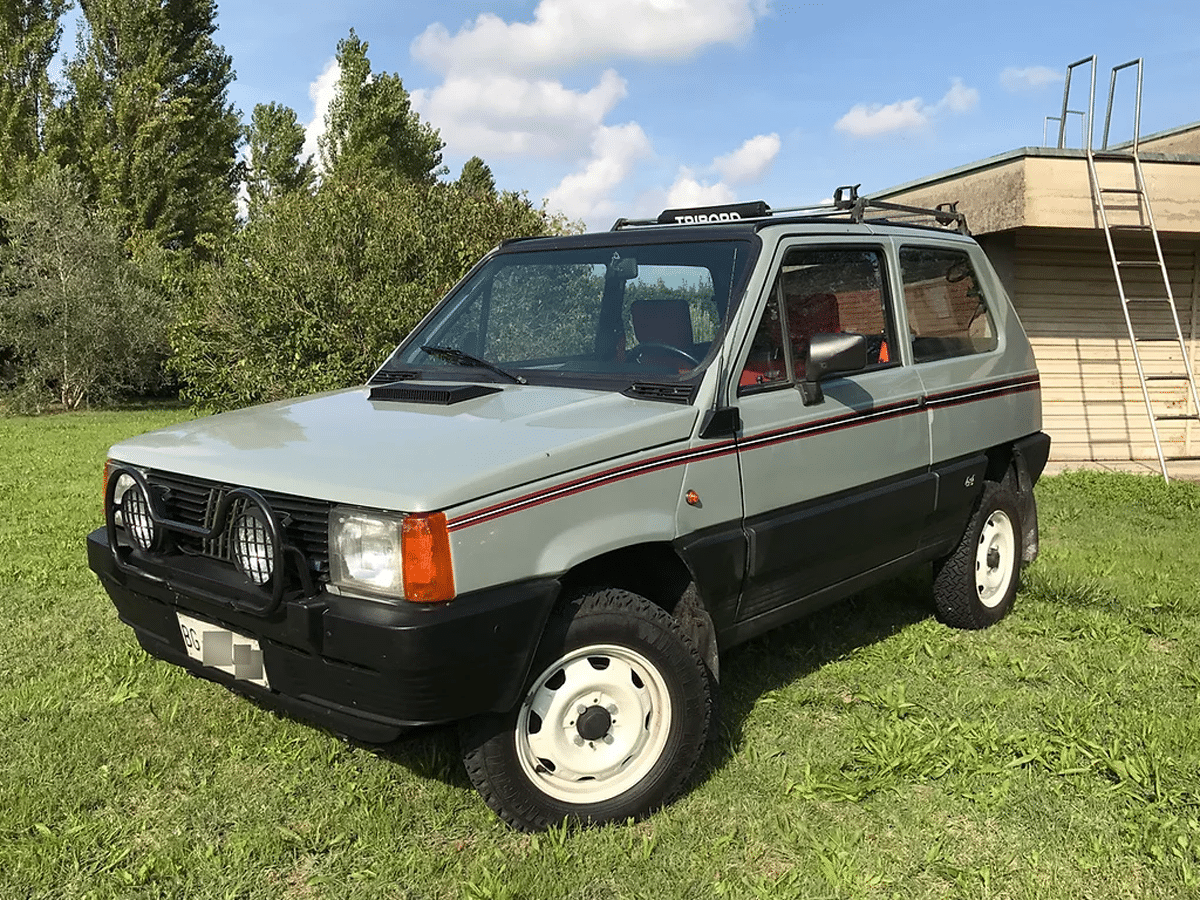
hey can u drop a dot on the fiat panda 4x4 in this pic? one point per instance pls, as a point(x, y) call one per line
point(599, 462)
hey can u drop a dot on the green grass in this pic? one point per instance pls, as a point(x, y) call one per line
point(867, 752)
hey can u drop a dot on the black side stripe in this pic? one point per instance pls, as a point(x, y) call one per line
point(827, 426)
point(610, 476)
point(989, 391)
point(754, 442)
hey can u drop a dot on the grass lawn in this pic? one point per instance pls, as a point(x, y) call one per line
point(867, 752)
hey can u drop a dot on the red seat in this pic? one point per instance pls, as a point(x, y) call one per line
point(765, 363)
point(755, 370)
point(809, 315)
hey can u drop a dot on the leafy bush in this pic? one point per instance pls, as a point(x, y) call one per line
point(315, 291)
point(79, 320)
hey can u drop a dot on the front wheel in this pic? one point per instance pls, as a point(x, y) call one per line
point(611, 725)
point(975, 586)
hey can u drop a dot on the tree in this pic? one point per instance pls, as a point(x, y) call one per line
point(80, 321)
point(29, 35)
point(276, 140)
point(476, 177)
point(315, 291)
point(371, 126)
point(147, 122)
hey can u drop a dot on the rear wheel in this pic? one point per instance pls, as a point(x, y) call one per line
point(975, 586)
point(611, 725)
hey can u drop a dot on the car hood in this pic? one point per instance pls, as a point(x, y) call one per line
point(347, 448)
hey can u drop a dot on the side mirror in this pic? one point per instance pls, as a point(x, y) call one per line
point(830, 354)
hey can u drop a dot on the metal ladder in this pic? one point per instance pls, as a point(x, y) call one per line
point(1128, 200)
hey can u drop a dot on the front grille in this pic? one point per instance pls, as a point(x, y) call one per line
point(194, 501)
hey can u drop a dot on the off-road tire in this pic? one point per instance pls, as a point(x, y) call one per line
point(628, 702)
point(975, 585)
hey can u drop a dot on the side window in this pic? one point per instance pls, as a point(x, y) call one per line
point(821, 291)
point(947, 311)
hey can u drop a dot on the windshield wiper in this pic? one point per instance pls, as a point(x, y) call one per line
point(388, 375)
point(460, 358)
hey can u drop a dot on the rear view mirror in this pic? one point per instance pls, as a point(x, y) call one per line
point(625, 269)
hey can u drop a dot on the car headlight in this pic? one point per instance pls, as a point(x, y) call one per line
point(364, 551)
point(253, 550)
point(132, 512)
point(394, 556)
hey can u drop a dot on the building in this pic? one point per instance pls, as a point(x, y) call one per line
point(1032, 210)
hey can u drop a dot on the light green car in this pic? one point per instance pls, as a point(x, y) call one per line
point(600, 461)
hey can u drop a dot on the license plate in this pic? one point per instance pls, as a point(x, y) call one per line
point(219, 648)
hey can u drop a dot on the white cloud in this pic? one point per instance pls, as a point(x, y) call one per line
point(502, 95)
point(870, 121)
point(243, 200)
point(506, 115)
point(586, 194)
point(568, 33)
point(750, 162)
point(960, 98)
point(321, 92)
point(690, 191)
point(866, 121)
point(1030, 78)
point(743, 166)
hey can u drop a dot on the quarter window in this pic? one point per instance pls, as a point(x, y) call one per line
point(767, 362)
point(948, 314)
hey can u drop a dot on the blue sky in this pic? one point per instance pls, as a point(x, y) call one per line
point(610, 108)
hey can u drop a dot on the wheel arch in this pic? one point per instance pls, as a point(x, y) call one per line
point(1021, 462)
point(655, 571)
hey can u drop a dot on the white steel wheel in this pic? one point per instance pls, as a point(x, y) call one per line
point(975, 585)
point(593, 724)
point(611, 725)
point(994, 569)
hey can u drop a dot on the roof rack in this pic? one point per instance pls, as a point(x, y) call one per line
point(847, 205)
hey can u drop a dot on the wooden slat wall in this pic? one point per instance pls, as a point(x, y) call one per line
point(1067, 298)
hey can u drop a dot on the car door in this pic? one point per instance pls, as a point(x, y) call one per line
point(834, 490)
point(973, 380)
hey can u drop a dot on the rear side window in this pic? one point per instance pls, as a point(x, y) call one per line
point(948, 314)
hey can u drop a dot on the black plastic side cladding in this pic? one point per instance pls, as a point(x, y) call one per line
point(1029, 458)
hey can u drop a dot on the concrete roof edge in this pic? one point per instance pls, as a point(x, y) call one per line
point(1159, 135)
point(970, 168)
point(1025, 153)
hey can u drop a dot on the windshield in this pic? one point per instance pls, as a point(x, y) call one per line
point(617, 314)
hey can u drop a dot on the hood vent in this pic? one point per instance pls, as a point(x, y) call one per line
point(438, 395)
point(671, 393)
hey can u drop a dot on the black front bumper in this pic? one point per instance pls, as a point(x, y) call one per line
point(367, 669)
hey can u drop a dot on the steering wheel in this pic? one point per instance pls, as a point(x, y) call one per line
point(636, 353)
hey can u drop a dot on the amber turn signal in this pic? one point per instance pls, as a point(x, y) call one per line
point(425, 551)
